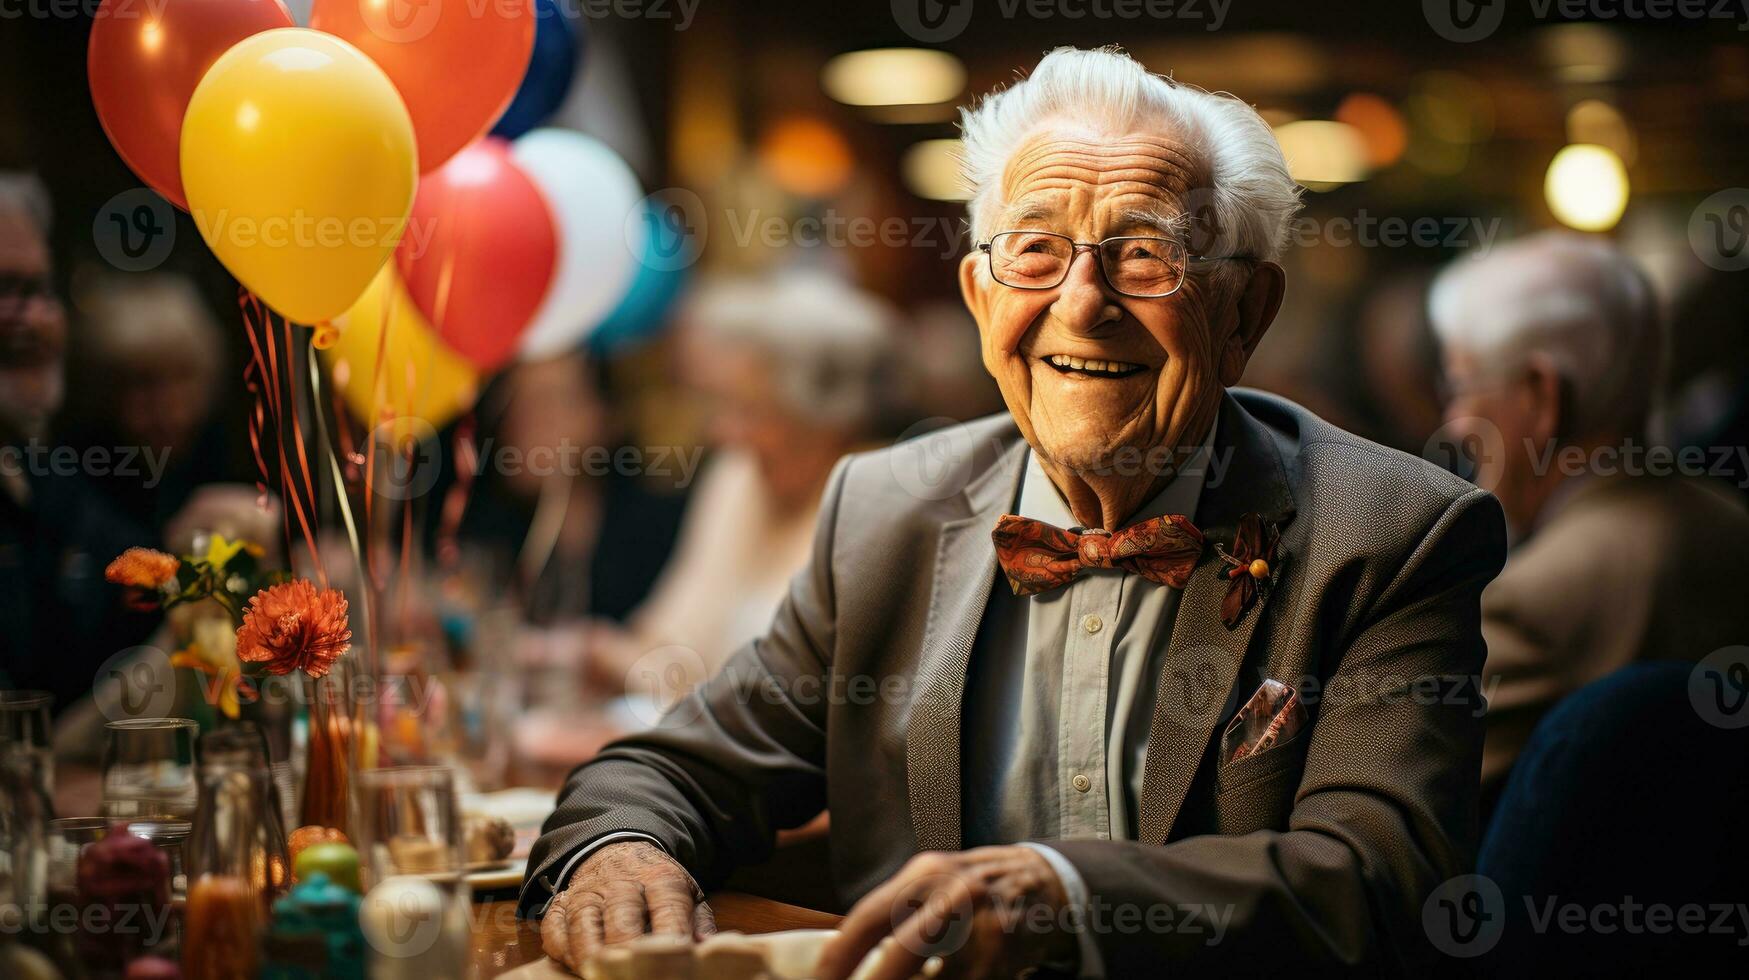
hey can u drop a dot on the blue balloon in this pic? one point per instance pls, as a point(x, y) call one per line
point(658, 282)
point(557, 44)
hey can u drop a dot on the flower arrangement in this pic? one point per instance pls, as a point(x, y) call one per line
point(273, 624)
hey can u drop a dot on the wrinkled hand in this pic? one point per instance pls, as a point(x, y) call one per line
point(990, 911)
point(618, 893)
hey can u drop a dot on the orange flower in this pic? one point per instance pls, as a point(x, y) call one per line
point(142, 568)
point(291, 626)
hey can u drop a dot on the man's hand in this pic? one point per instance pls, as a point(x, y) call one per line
point(991, 911)
point(618, 893)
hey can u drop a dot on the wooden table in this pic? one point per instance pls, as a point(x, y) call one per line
point(502, 943)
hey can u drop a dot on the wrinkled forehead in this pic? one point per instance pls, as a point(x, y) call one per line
point(1081, 182)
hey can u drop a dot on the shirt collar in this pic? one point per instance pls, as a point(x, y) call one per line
point(1041, 501)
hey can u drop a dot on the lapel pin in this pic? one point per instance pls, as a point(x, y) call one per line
point(1249, 567)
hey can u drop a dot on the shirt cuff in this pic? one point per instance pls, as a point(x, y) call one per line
point(555, 884)
point(1092, 964)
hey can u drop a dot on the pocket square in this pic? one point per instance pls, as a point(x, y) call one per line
point(1272, 716)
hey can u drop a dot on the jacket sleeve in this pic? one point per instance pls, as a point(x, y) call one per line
point(1385, 811)
point(728, 765)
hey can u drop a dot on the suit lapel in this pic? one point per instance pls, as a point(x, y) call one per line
point(965, 572)
point(1204, 656)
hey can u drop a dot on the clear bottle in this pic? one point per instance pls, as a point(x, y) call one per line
point(236, 854)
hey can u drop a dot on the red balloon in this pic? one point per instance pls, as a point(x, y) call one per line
point(144, 61)
point(478, 252)
point(457, 64)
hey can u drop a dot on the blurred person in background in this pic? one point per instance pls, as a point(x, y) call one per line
point(586, 536)
point(1553, 352)
point(62, 620)
point(146, 372)
point(795, 370)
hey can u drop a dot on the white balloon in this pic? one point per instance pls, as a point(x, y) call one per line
point(591, 191)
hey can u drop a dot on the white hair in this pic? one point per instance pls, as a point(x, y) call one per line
point(25, 191)
point(831, 344)
point(1243, 182)
point(1577, 301)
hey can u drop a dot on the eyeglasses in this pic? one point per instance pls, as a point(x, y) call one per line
point(1139, 266)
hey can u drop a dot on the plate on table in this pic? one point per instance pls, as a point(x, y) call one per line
point(488, 876)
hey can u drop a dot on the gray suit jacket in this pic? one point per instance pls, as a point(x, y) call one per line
point(1322, 849)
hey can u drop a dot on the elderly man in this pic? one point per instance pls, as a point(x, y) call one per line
point(56, 532)
point(1552, 349)
point(1145, 674)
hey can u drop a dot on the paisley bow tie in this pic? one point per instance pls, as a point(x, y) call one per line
point(1038, 557)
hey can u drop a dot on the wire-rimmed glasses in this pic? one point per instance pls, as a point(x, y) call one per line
point(1142, 266)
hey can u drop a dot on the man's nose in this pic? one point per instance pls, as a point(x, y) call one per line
point(1084, 302)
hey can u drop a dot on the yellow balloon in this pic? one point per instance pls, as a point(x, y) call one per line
point(423, 380)
point(299, 161)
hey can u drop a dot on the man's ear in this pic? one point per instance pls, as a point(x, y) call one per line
point(1549, 418)
point(971, 289)
point(1259, 301)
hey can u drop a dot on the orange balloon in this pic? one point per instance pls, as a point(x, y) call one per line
point(144, 63)
point(457, 65)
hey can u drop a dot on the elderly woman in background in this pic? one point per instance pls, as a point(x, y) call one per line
point(795, 370)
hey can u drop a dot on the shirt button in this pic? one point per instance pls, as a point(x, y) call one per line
point(1092, 624)
point(1081, 783)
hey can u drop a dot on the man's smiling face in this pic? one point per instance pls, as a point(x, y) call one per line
point(1165, 360)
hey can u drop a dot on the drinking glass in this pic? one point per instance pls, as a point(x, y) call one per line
point(415, 915)
point(148, 768)
point(24, 727)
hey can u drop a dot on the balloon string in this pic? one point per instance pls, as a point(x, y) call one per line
point(340, 489)
point(455, 501)
point(262, 376)
point(288, 485)
point(303, 457)
point(254, 378)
